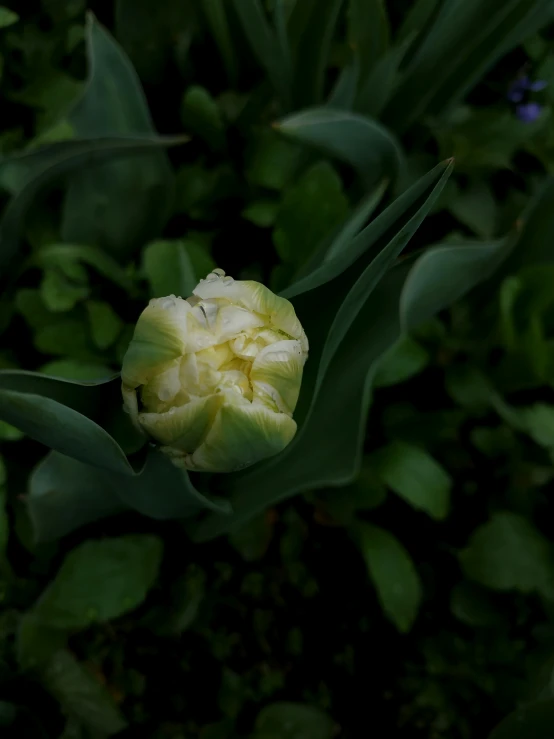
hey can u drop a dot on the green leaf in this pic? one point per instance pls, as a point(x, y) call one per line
point(368, 31)
point(416, 477)
point(508, 553)
point(297, 234)
point(268, 49)
point(393, 573)
point(271, 161)
point(69, 256)
point(312, 54)
point(59, 293)
point(57, 425)
point(443, 274)
point(474, 606)
point(4, 522)
point(261, 212)
point(476, 208)
point(538, 421)
point(81, 696)
point(402, 361)
point(7, 17)
point(38, 168)
point(65, 494)
point(73, 369)
point(358, 141)
point(36, 643)
point(105, 324)
point(201, 115)
point(100, 580)
point(117, 205)
point(292, 721)
point(168, 269)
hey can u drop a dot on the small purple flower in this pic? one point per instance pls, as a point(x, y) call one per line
point(528, 112)
point(518, 88)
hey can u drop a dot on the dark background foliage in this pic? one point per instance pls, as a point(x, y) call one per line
point(417, 599)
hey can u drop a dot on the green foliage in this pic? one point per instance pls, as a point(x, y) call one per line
point(410, 517)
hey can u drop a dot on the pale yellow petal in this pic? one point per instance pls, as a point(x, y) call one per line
point(183, 428)
point(159, 338)
point(241, 436)
point(277, 374)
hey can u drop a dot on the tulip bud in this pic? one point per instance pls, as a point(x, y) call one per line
point(215, 379)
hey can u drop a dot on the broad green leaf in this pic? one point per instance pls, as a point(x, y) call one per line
point(100, 580)
point(117, 205)
point(358, 141)
point(416, 477)
point(402, 361)
point(368, 31)
point(312, 54)
point(393, 573)
point(65, 494)
point(89, 397)
point(442, 275)
point(201, 116)
point(267, 48)
point(63, 429)
point(81, 696)
point(105, 324)
point(297, 233)
point(67, 337)
point(7, 17)
point(168, 269)
point(292, 721)
point(509, 553)
point(40, 167)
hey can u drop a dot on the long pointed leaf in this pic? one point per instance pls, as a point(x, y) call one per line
point(358, 141)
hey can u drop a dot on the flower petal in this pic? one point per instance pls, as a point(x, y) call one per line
point(183, 427)
point(256, 297)
point(159, 338)
point(277, 373)
point(240, 436)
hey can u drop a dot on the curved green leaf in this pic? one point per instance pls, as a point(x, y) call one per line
point(121, 204)
point(361, 142)
point(63, 429)
point(65, 494)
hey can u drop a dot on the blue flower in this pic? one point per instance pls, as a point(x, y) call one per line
point(520, 86)
point(528, 112)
